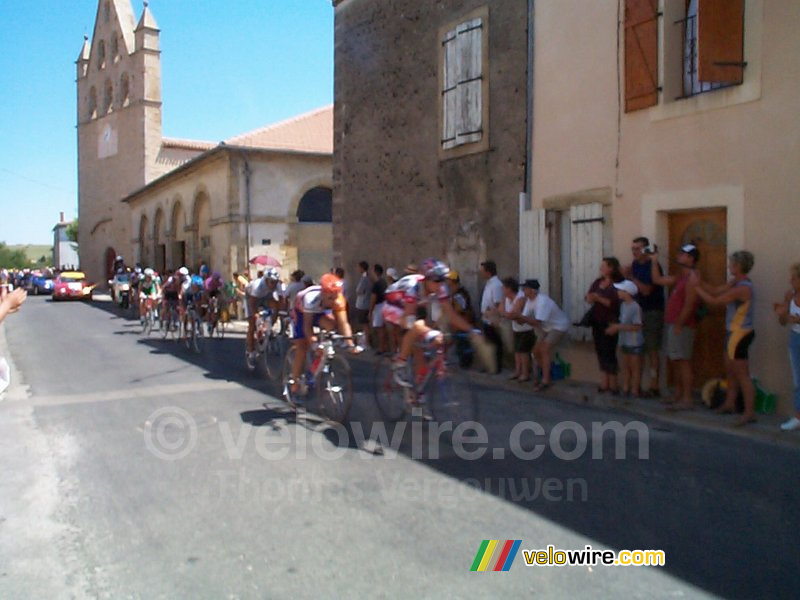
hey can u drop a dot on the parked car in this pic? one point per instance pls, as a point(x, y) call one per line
point(72, 285)
point(40, 283)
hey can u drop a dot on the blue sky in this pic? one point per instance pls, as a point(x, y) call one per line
point(228, 66)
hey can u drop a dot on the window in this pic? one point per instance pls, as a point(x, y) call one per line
point(108, 96)
point(316, 206)
point(702, 48)
point(101, 55)
point(464, 85)
point(713, 45)
point(92, 103)
point(124, 90)
point(114, 48)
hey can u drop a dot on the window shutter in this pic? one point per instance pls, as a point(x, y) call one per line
point(586, 253)
point(533, 247)
point(641, 54)
point(470, 84)
point(450, 89)
point(720, 41)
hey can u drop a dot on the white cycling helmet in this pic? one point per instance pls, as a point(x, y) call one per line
point(272, 273)
point(149, 272)
point(183, 271)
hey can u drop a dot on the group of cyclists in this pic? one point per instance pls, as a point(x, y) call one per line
point(408, 306)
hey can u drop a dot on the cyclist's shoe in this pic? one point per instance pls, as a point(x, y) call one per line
point(400, 371)
point(357, 349)
point(250, 358)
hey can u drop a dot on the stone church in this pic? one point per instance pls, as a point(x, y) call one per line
point(172, 202)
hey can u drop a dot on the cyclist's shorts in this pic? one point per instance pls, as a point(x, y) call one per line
point(298, 330)
point(393, 314)
point(171, 296)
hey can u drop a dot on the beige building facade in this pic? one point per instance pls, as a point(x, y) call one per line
point(169, 202)
point(675, 120)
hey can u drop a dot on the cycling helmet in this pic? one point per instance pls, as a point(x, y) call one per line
point(197, 280)
point(433, 269)
point(216, 276)
point(183, 271)
point(272, 273)
point(331, 284)
point(204, 270)
point(118, 259)
point(149, 272)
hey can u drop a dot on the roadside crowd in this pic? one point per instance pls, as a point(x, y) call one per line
point(634, 322)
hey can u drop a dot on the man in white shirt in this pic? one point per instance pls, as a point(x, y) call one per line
point(550, 323)
point(490, 300)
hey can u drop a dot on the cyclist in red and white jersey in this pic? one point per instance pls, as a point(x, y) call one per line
point(406, 305)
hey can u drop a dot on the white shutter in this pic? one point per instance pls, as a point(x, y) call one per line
point(533, 250)
point(470, 88)
point(586, 254)
point(450, 89)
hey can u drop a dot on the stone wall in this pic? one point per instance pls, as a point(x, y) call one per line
point(394, 199)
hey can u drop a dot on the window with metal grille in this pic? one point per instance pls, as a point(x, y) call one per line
point(713, 45)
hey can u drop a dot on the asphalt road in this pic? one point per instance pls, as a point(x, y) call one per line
point(134, 469)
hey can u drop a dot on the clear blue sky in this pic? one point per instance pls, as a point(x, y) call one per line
point(228, 66)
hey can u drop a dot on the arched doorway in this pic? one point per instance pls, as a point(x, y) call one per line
point(315, 231)
point(144, 254)
point(202, 227)
point(110, 255)
point(159, 243)
point(178, 258)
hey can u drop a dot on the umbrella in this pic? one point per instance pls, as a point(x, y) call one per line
point(265, 261)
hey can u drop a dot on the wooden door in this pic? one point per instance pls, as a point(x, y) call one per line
point(706, 229)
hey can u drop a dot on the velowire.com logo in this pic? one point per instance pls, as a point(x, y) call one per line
point(495, 555)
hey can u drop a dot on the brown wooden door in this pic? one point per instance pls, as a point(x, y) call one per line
point(706, 229)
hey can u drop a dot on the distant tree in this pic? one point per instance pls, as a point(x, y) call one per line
point(72, 231)
point(12, 259)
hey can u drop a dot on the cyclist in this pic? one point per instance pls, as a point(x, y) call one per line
point(135, 279)
point(172, 291)
point(214, 288)
point(268, 292)
point(119, 266)
point(406, 304)
point(191, 295)
point(322, 306)
point(148, 293)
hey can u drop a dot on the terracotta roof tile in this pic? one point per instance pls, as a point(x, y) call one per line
point(310, 132)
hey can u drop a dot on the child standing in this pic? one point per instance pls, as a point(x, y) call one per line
point(631, 338)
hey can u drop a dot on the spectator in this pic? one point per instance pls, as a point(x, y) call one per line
point(377, 297)
point(680, 318)
point(491, 298)
point(550, 323)
point(11, 303)
point(651, 300)
point(602, 295)
point(789, 314)
point(462, 302)
point(524, 338)
point(739, 296)
point(631, 339)
point(295, 286)
point(391, 275)
point(307, 281)
point(363, 293)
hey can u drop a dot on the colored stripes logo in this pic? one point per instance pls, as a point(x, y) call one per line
point(495, 555)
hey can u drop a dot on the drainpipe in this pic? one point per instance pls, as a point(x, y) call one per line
point(247, 210)
point(529, 107)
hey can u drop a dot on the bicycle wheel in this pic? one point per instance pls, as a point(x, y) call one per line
point(452, 400)
point(274, 351)
point(335, 389)
point(197, 335)
point(286, 375)
point(147, 324)
point(389, 396)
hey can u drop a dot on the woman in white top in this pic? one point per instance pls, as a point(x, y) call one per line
point(788, 313)
point(524, 338)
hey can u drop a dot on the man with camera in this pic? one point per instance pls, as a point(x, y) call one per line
point(651, 299)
